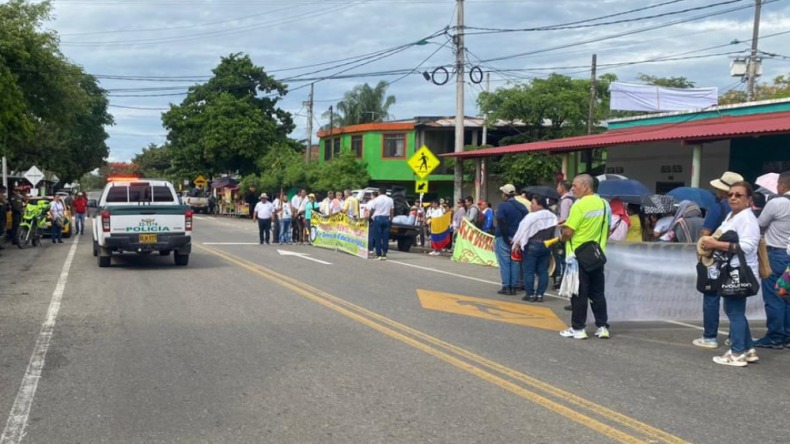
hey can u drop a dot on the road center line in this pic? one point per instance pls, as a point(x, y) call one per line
point(390, 328)
point(17, 420)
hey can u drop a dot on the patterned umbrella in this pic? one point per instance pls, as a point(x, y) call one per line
point(658, 204)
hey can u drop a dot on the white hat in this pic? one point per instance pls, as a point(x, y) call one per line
point(725, 182)
point(508, 189)
point(264, 196)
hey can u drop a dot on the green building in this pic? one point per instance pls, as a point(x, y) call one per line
point(387, 146)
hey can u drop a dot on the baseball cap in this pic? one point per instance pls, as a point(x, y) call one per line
point(508, 189)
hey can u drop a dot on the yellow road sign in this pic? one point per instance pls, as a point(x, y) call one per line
point(423, 162)
point(421, 186)
point(200, 181)
point(493, 310)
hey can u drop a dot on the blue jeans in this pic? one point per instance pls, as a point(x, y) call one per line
point(285, 231)
point(536, 262)
point(381, 234)
point(777, 310)
point(740, 335)
point(508, 269)
point(56, 231)
point(79, 221)
point(711, 303)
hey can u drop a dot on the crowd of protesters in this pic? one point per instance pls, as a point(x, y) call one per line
point(742, 226)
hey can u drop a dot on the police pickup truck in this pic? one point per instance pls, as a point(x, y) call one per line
point(141, 216)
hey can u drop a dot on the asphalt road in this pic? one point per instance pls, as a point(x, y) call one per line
point(247, 344)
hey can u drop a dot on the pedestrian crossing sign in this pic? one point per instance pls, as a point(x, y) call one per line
point(423, 162)
point(421, 187)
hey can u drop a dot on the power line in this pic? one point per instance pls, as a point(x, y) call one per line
point(583, 23)
point(623, 34)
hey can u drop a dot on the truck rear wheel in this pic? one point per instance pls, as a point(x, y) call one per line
point(105, 261)
point(404, 243)
point(181, 259)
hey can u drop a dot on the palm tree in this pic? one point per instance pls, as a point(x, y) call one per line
point(362, 104)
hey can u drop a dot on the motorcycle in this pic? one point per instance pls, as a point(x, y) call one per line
point(30, 228)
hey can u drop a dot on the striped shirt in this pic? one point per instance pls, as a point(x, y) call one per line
point(775, 221)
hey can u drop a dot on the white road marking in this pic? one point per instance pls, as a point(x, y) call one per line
point(230, 243)
point(696, 327)
point(303, 256)
point(17, 420)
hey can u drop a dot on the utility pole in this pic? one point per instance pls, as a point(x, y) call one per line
point(481, 190)
point(752, 68)
point(331, 139)
point(588, 155)
point(458, 181)
point(309, 149)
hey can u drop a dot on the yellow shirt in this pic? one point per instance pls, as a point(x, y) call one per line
point(351, 203)
point(523, 200)
point(635, 230)
point(589, 221)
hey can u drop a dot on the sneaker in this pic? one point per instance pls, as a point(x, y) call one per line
point(506, 291)
point(751, 356)
point(528, 298)
point(383, 258)
point(727, 342)
point(434, 253)
point(378, 258)
point(602, 333)
point(706, 342)
point(730, 359)
point(575, 334)
point(764, 342)
point(539, 298)
point(568, 307)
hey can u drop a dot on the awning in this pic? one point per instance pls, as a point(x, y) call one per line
point(689, 131)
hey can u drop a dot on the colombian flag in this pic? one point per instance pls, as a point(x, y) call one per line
point(440, 231)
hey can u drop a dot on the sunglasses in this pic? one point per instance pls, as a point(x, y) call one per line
point(735, 195)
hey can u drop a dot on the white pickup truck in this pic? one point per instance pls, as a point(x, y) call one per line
point(141, 216)
point(197, 200)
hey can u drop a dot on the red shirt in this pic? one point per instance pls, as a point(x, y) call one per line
point(80, 205)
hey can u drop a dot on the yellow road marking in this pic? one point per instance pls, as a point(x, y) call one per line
point(508, 312)
point(338, 305)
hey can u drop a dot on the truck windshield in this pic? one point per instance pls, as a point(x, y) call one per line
point(139, 193)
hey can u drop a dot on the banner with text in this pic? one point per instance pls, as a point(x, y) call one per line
point(473, 246)
point(341, 233)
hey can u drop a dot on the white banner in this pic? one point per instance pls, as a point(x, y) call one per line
point(651, 98)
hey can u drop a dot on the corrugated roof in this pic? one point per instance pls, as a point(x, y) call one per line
point(696, 131)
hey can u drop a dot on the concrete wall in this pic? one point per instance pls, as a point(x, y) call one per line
point(644, 162)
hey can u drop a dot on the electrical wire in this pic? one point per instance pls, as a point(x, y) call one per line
point(623, 34)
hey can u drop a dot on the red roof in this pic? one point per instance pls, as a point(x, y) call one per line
point(694, 131)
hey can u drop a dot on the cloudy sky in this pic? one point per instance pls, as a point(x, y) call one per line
point(148, 52)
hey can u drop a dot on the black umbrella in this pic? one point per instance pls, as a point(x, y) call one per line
point(653, 204)
point(542, 190)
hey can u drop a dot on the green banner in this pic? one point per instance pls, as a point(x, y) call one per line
point(473, 246)
point(340, 233)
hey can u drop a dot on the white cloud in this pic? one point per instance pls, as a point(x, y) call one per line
point(188, 37)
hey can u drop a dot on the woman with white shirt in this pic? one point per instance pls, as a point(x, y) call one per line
point(57, 213)
point(536, 227)
point(743, 222)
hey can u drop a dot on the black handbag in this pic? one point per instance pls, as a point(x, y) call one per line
point(738, 282)
point(708, 278)
point(590, 255)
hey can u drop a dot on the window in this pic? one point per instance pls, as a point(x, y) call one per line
point(336, 147)
point(327, 149)
point(394, 145)
point(356, 146)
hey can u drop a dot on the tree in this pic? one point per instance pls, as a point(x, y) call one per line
point(667, 82)
point(779, 89)
point(228, 123)
point(362, 104)
point(154, 161)
point(52, 114)
point(340, 173)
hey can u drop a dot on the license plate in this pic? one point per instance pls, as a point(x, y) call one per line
point(147, 238)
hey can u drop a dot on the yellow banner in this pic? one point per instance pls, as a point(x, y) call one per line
point(340, 233)
point(473, 246)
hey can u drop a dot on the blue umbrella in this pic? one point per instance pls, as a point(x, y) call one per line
point(700, 196)
point(622, 188)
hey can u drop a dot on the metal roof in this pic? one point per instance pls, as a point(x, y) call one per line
point(692, 131)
